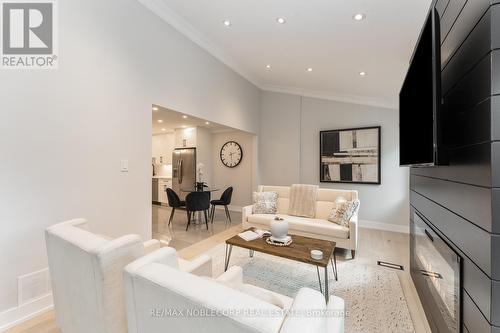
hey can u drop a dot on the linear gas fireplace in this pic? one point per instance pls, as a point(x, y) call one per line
point(436, 272)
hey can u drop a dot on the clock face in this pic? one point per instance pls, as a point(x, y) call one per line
point(231, 154)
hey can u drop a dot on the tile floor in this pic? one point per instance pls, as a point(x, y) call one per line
point(176, 233)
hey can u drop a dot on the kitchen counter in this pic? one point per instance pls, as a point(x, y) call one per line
point(161, 177)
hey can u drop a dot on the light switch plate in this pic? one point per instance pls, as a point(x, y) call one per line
point(124, 165)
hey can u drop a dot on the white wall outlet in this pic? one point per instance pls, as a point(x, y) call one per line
point(124, 165)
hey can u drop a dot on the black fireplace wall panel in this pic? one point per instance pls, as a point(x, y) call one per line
point(462, 200)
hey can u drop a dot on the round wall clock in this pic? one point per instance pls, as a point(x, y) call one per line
point(231, 154)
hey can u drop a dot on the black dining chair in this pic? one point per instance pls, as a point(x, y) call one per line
point(197, 202)
point(175, 202)
point(225, 200)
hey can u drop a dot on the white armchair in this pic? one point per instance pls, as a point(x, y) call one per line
point(87, 276)
point(160, 298)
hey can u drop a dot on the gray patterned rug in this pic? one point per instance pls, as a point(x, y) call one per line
point(374, 298)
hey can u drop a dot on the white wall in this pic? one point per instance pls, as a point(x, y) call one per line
point(63, 132)
point(287, 120)
point(243, 177)
point(279, 139)
point(204, 154)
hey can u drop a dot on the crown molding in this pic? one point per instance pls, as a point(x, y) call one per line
point(333, 96)
point(159, 8)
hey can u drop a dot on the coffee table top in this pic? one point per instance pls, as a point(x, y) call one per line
point(299, 250)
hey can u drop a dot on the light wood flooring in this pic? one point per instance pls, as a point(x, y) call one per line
point(374, 245)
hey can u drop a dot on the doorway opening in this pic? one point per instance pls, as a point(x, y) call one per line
point(192, 154)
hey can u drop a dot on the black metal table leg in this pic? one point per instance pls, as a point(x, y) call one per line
point(319, 280)
point(228, 256)
point(334, 265)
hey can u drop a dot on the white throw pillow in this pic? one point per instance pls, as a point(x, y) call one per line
point(344, 210)
point(265, 203)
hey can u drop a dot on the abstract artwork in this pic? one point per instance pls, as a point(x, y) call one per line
point(350, 155)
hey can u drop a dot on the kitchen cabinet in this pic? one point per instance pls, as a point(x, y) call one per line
point(185, 137)
point(154, 189)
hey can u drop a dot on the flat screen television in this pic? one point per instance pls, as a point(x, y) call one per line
point(420, 112)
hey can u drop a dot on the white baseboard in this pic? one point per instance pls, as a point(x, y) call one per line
point(405, 229)
point(19, 314)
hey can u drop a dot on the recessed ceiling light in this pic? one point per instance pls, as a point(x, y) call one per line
point(359, 17)
point(362, 73)
point(155, 108)
point(281, 20)
point(184, 116)
point(160, 121)
point(268, 66)
point(163, 129)
point(310, 69)
point(227, 23)
point(207, 123)
point(183, 126)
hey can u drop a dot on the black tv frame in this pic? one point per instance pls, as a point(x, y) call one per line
point(439, 151)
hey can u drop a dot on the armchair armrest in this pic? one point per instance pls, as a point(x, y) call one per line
point(79, 223)
point(296, 322)
point(201, 266)
point(233, 277)
point(246, 211)
point(166, 256)
point(116, 253)
point(153, 245)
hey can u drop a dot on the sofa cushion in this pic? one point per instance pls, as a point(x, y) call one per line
point(314, 226)
point(265, 202)
point(343, 212)
point(283, 204)
point(323, 209)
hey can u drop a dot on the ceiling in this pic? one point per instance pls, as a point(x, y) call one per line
point(318, 34)
point(171, 120)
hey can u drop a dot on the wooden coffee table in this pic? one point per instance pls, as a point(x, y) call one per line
point(299, 250)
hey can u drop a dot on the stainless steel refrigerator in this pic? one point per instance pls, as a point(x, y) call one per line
point(183, 170)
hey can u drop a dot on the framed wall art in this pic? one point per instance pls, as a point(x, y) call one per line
point(350, 155)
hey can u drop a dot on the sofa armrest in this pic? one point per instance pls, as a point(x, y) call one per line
point(201, 266)
point(246, 211)
point(153, 245)
point(336, 315)
point(353, 232)
point(233, 277)
point(297, 322)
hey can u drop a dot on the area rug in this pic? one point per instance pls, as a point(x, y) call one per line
point(374, 298)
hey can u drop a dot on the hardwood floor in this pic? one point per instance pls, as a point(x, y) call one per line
point(374, 245)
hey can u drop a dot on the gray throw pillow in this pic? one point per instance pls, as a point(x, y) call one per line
point(342, 213)
point(265, 202)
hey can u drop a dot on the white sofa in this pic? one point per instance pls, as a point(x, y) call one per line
point(160, 298)
point(318, 227)
point(87, 276)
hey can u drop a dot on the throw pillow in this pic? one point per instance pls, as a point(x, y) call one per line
point(265, 202)
point(342, 213)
